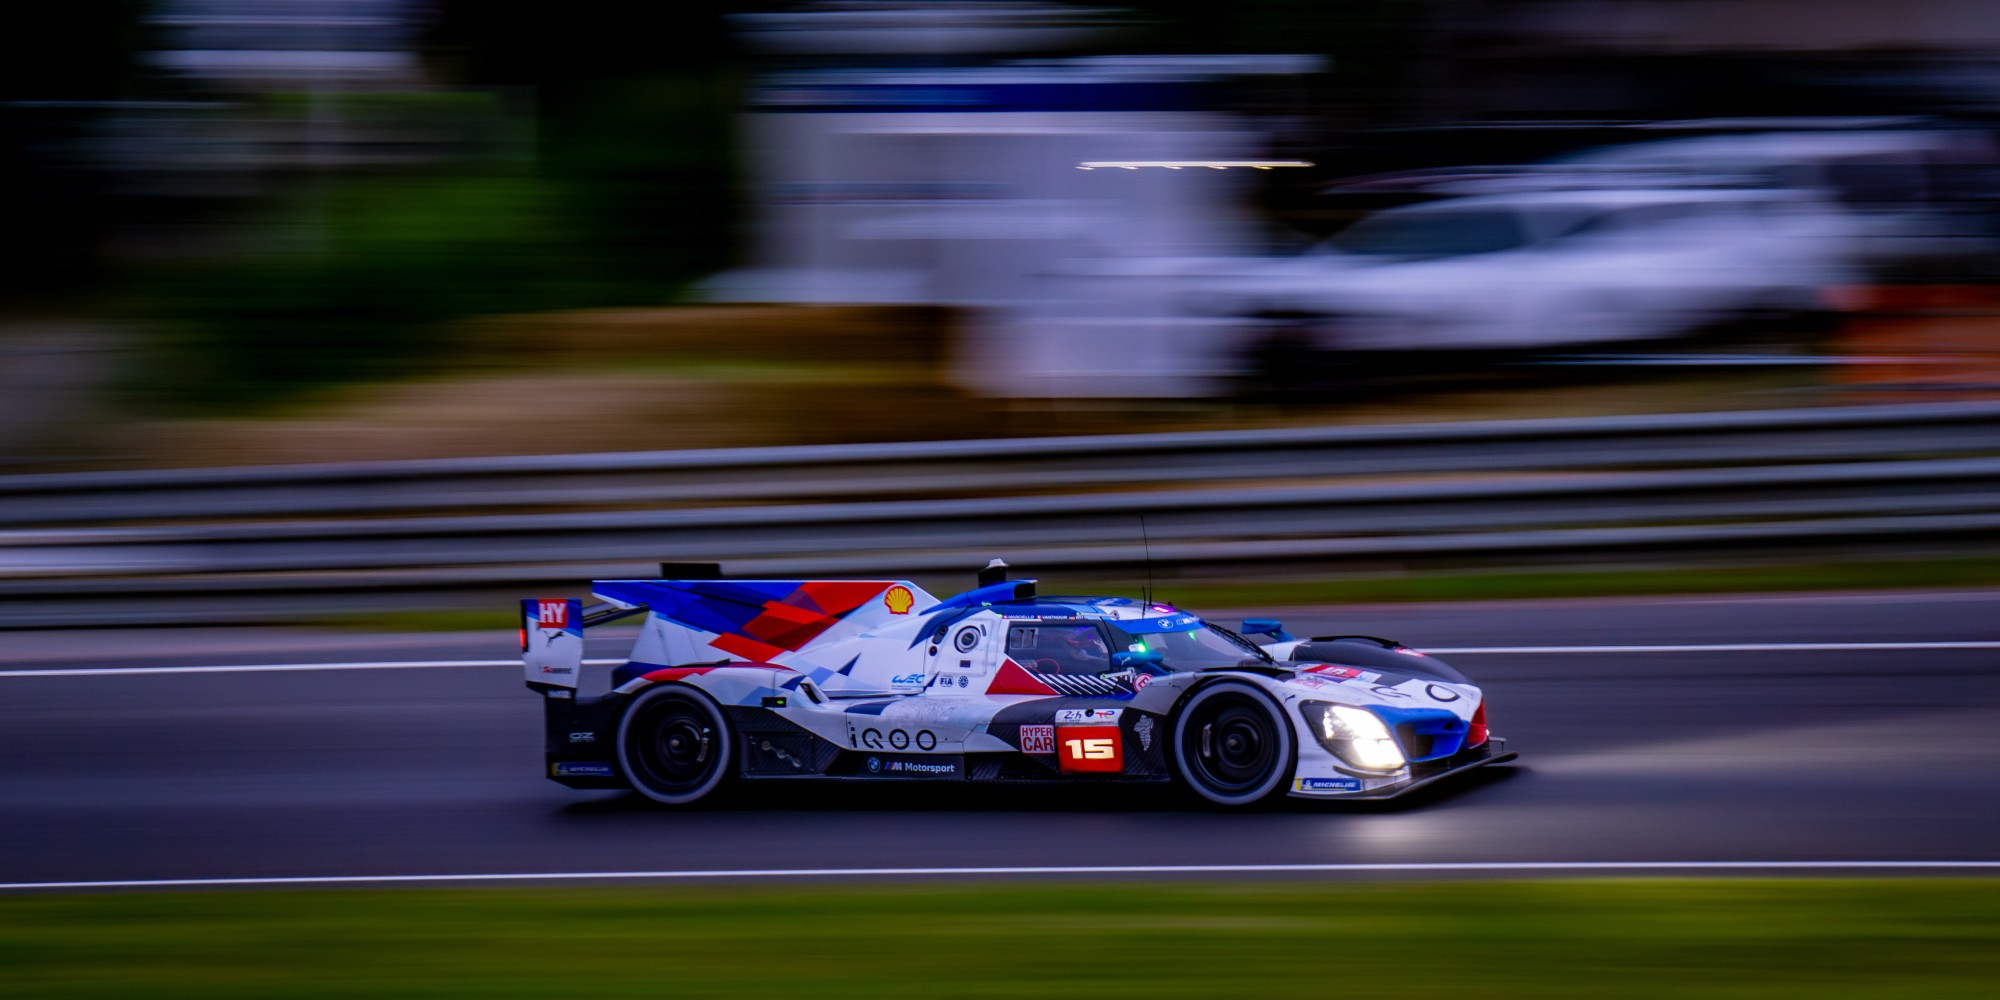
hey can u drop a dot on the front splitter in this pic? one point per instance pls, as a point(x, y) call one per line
point(1495, 755)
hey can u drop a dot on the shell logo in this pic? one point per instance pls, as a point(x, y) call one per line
point(898, 600)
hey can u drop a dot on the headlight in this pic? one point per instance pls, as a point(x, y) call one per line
point(1355, 735)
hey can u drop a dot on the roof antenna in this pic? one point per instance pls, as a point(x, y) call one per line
point(995, 572)
point(1147, 594)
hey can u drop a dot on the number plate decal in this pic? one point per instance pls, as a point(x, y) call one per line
point(1090, 749)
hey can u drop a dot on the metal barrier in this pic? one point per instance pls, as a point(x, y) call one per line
point(218, 544)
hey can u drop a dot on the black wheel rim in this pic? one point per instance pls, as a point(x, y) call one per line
point(675, 744)
point(1232, 744)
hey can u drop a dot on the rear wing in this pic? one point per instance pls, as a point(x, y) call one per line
point(693, 614)
point(795, 623)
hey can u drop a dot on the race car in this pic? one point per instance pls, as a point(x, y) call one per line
point(876, 680)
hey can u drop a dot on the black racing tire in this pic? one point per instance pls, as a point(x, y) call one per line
point(674, 745)
point(1232, 744)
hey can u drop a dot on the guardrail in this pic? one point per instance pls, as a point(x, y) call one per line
point(224, 544)
point(938, 468)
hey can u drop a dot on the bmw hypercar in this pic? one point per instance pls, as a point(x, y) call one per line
point(876, 680)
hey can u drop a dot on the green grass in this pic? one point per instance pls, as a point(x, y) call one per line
point(502, 617)
point(1467, 941)
point(1971, 571)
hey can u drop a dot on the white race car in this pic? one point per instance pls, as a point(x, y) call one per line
point(873, 680)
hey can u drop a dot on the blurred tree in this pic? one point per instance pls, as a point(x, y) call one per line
point(625, 198)
point(59, 62)
point(633, 105)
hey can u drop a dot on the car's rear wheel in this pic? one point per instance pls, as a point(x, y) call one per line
point(674, 745)
point(1232, 745)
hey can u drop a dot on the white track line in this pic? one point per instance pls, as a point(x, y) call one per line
point(274, 668)
point(1725, 647)
point(1738, 647)
point(784, 873)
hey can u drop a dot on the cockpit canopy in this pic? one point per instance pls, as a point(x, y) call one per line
point(1179, 641)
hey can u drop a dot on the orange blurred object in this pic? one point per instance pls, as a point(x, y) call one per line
point(1915, 342)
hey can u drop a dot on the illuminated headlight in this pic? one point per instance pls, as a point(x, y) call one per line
point(1354, 735)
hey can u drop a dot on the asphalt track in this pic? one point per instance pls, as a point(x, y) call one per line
point(1790, 737)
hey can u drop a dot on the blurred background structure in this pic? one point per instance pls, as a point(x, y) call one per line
point(247, 231)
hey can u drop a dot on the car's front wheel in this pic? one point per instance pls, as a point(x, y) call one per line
point(674, 745)
point(1232, 745)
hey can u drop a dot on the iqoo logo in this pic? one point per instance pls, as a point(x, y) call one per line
point(898, 739)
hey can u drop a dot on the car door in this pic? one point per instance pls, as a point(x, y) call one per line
point(952, 705)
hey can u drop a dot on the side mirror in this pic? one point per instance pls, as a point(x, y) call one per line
point(1267, 626)
point(1136, 659)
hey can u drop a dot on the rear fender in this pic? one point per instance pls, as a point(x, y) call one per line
point(737, 685)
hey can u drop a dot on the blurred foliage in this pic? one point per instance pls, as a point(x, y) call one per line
point(627, 195)
point(369, 267)
point(56, 60)
point(622, 189)
point(1589, 939)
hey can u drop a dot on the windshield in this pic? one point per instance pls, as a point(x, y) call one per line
point(1431, 234)
point(1201, 648)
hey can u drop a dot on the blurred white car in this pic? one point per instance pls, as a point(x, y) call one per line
point(1916, 194)
point(1547, 269)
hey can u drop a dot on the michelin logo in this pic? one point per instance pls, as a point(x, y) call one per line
point(1326, 784)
